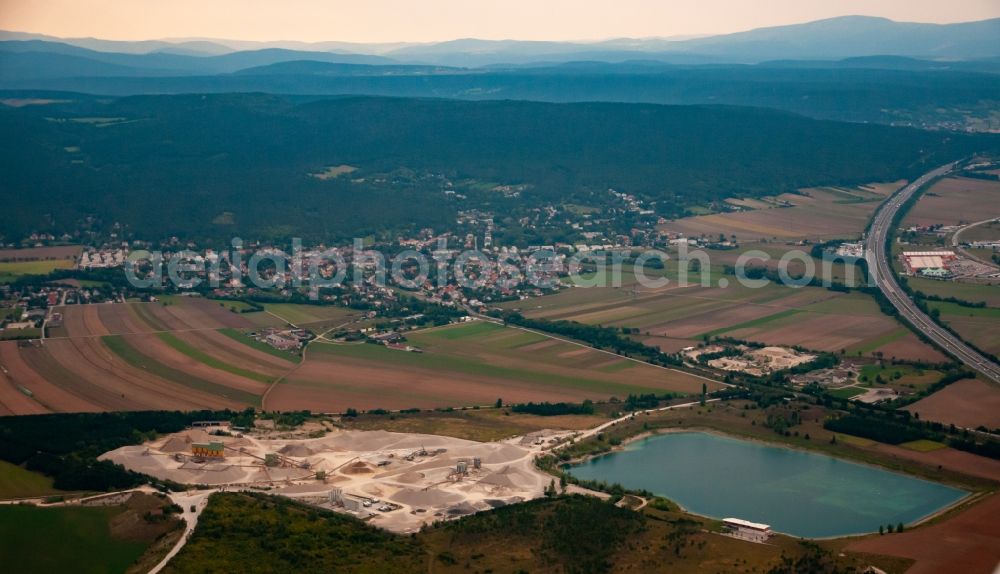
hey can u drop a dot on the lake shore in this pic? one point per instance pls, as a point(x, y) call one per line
point(966, 497)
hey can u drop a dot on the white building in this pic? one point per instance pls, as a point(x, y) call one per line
point(746, 530)
point(348, 501)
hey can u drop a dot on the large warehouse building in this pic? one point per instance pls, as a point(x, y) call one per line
point(917, 261)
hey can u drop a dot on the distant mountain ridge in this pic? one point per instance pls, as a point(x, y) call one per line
point(829, 39)
point(42, 59)
point(856, 69)
point(857, 36)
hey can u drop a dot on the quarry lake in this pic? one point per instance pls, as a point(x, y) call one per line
point(796, 492)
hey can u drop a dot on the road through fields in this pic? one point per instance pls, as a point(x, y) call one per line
point(880, 266)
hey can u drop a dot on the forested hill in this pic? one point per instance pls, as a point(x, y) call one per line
point(210, 166)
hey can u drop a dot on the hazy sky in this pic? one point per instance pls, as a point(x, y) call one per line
point(431, 20)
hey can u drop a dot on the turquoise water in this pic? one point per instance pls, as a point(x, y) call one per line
point(796, 492)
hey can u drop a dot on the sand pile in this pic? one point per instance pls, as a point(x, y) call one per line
point(502, 454)
point(410, 477)
point(296, 450)
point(505, 477)
point(132, 457)
point(176, 444)
point(198, 435)
point(357, 468)
point(426, 498)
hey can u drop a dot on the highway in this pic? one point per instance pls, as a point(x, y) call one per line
point(879, 260)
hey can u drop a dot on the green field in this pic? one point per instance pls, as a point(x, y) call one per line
point(306, 314)
point(773, 314)
point(16, 482)
point(242, 337)
point(11, 270)
point(202, 357)
point(470, 329)
point(750, 324)
point(873, 344)
point(234, 306)
point(238, 306)
point(902, 378)
point(480, 358)
point(134, 357)
point(29, 333)
point(978, 325)
point(451, 362)
point(923, 445)
point(67, 539)
point(12, 313)
point(644, 309)
point(971, 292)
point(960, 310)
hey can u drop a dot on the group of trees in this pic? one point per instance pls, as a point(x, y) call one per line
point(890, 528)
point(645, 401)
point(547, 409)
point(896, 428)
point(574, 533)
point(256, 532)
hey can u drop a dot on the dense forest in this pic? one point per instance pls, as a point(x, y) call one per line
point(215, 166)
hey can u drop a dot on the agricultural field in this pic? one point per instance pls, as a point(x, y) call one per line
point(36, 261)
point(985, 232)
point(16, 482)
point(798, 257)
point(306, 315)
point(464, 365)
point(967, 403)
point(818, 214)
point(848, 392)
point(187, 353)
point(81, 539)
point(987, 292)
point(902, 378)
point(40, 253)
point(483, 425)
point(954, 201)
point(923, 445)
point(969, 541)
point(13, 334)
point(11, 270)
point(979, 326)
point(673, 318)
